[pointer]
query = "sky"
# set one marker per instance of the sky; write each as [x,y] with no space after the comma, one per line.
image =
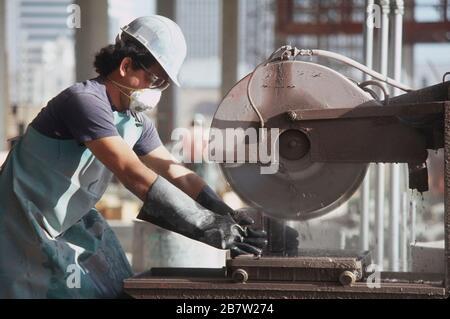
[432,61]
[126,11]
[438,53]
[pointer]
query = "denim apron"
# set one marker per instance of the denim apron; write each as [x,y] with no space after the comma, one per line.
[53,242]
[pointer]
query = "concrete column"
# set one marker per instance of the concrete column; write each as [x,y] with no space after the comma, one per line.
[384,38]
[397,12]
[3,76]
[408,65]
[230,40]
[91,37]
[381,58]
[168,106]
[408,55]
[365,189]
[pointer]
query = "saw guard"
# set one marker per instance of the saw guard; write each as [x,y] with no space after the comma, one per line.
[301,189]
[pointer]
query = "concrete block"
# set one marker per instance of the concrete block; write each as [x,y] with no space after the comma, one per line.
[157,247]
[428,257]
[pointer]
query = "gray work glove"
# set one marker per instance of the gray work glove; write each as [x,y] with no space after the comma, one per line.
[210,200]
[170,208]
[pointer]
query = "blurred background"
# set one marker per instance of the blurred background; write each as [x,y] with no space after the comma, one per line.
[42,51]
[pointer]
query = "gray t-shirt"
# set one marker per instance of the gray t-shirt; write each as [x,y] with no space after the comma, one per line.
[84,112]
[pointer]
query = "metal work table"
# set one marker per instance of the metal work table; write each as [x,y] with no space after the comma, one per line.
[146,286]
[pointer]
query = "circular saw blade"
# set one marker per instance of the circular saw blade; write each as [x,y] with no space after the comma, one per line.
[301,189]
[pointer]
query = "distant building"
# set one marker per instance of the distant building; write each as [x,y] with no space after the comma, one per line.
[55,72]
[201,23]
[36,28]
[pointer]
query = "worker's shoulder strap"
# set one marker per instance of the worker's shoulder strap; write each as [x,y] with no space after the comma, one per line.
[138,118]
[12,142]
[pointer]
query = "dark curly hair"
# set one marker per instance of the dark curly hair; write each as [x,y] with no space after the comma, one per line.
[110,57]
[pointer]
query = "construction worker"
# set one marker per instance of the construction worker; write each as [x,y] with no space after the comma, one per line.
[53,243]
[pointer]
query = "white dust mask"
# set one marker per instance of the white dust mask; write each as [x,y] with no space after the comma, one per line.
[141,99]
[144,100]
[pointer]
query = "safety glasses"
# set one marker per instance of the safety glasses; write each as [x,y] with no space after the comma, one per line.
[156,82]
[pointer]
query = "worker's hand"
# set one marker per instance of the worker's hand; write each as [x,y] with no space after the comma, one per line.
[210,200]
[240,216]
[170,208]
[225,233]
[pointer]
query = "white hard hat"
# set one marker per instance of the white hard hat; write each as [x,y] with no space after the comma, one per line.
[163,38]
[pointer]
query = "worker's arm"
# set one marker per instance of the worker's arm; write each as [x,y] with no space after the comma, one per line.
[116,155]
[163,163]
[167,206]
